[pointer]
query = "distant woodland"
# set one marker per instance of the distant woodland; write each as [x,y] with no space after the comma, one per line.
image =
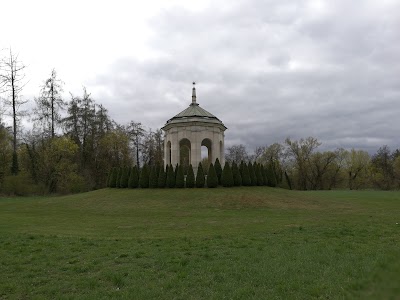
[74,145]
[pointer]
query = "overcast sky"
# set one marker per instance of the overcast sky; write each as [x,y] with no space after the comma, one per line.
[268,69]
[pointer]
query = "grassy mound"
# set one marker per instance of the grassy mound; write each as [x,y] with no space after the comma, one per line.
[248,242]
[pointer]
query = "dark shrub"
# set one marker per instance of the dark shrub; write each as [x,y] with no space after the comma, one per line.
[227,176]
[200,180]
[212,179]
[190,178]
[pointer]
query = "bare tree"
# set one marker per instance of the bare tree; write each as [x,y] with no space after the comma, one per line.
[136,133]
[301,152]
[49,103]
[237,153]
[12,81]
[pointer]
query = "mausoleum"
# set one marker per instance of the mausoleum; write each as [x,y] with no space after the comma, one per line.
[192,128]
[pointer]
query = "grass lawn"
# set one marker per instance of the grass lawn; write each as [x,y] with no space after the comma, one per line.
[239,243]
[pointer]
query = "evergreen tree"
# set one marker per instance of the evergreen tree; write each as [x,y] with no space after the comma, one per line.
[158,169]
[114,176]
[190,177]
[271,175]
[200,180]
[171,177]
[109,178]
[246,175]
[176,172]
[162,178]
[218,170]
[288,180]
[264,176]
[212,179]
[123,182]
[237,178]
[260,180]
[180,179]
[241,168]
[120,171]
[133,182]
[144,177]
[227,176]
[252,173]
[153,180]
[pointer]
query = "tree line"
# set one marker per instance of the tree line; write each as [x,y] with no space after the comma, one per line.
[74,145]
[303,167]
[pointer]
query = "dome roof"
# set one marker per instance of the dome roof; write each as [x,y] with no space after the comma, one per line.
[194,113]
[194,110]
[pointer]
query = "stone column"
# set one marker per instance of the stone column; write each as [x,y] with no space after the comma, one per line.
[174,149]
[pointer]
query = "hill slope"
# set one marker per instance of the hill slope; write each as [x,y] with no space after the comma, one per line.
[203,243]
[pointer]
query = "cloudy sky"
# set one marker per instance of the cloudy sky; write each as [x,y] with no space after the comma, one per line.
[268,69]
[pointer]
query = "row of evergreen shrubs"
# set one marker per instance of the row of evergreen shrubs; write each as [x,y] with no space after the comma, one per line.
[158,177]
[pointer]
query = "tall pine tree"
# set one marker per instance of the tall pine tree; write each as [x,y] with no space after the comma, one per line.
[114,177]
[253,178]
[162,178]
[227,176]
[218,170]
[133,182]
[190,177]
[246,175]
[171,177]
[212,179]
[237,178]
[180,179]
[123,182]
[153,178]
[200,179]
[144,177]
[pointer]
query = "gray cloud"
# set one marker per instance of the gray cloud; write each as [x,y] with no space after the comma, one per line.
[270,70]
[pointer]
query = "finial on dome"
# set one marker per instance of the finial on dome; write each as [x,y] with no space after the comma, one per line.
[194,94]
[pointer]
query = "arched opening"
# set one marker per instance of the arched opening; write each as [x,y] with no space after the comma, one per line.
[185,153]
[206,154]
[168,153]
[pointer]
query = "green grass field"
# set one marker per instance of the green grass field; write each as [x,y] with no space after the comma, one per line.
[239,243]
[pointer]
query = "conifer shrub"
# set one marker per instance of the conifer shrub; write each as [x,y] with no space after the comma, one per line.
[252,173]
[227,176]
[218,170]
[237,178]
[212,179]
[153,178]
[171,177]
[123,182]
[117,183]
[260,180]
[190,177]
[271,176]
[180,179]
[113,179]
[107,183]
[133,182]
[129,170]
[144,177]
[289,182]
[246,181]
[241,168]
[158,169]
[264,176]
[162,177]
[200,179]
[176,172]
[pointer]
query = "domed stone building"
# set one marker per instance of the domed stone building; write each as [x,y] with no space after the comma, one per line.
[188,131]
